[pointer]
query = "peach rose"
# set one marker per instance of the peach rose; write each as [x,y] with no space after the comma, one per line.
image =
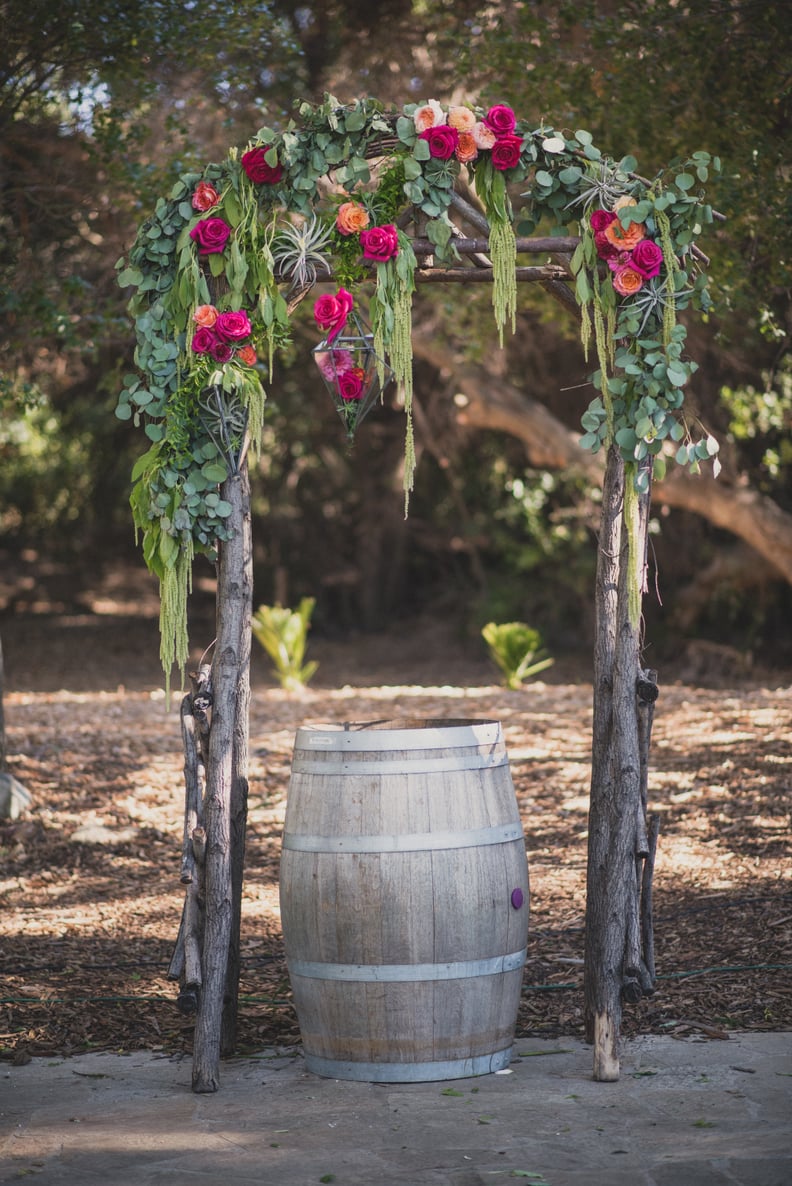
[352,218]
[461,118]
[624,200]
[483,135]
[205,315]
[247,355]
[430,115]
[627,281]
[466,150]
[624,237]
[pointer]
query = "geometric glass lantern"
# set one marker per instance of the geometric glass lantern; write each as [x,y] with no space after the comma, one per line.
[351,372]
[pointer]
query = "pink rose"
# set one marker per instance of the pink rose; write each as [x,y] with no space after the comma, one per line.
[233,327]
[204,197]
[203,340]
[501,119]
[506,152]
[442,141]
[331,312]
[211,235]
[647,258]
[257,169]
[619,260]
[333,363]
[380,243]
[601,219]
[627,281]
[350,384]
[221,351]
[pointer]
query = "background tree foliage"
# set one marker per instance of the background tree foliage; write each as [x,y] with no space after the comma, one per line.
[102,104]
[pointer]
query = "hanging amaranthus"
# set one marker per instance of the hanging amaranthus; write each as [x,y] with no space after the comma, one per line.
[175,587]
[491,188]
[391,317]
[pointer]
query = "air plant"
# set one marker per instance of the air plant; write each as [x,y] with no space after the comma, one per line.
[298,251]
[606,184]
[652,299]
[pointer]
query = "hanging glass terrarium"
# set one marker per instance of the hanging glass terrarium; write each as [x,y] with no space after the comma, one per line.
[352,372]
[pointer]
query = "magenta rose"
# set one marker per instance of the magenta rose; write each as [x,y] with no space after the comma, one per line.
[233,327]
[501,119]
[605,249]
[203,340]
[506,152]
[221,351]
[350,384]
[442,141]
[331,312]
[647,258]
[257,169]
[380,243]
[600,219]
[211,235]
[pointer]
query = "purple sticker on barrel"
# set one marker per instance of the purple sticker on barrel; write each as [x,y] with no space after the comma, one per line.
[517,898]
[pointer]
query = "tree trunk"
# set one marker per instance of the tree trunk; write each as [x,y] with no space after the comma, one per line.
[226,792]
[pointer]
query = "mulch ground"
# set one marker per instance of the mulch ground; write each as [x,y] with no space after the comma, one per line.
[87,925]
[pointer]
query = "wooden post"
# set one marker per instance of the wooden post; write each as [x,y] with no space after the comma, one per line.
[615,967]
[226,790]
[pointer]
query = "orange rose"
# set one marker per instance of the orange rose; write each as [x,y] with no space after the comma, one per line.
[461,118]
[623,237]
[247,355]
[352,218]
[205,315]
[466,149]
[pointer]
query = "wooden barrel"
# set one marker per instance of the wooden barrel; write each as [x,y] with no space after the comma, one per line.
[404,899]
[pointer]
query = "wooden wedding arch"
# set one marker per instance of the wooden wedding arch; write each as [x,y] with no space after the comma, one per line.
[244,242]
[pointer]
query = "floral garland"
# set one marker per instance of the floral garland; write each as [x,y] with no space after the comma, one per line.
[222,260]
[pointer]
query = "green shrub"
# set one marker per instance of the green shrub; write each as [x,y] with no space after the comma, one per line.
[283,633]
[517,650]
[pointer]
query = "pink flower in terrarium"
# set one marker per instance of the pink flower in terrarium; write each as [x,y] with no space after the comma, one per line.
[332,363]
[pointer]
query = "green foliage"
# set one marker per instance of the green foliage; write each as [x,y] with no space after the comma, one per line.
[283,633]
[517,650]
[761,420]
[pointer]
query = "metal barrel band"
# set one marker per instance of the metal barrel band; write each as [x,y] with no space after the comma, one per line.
[409,973]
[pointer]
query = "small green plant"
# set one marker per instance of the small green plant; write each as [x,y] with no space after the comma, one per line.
[517,650]
[283,633]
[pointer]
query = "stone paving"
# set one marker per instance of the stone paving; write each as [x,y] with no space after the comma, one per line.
[684,1113]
